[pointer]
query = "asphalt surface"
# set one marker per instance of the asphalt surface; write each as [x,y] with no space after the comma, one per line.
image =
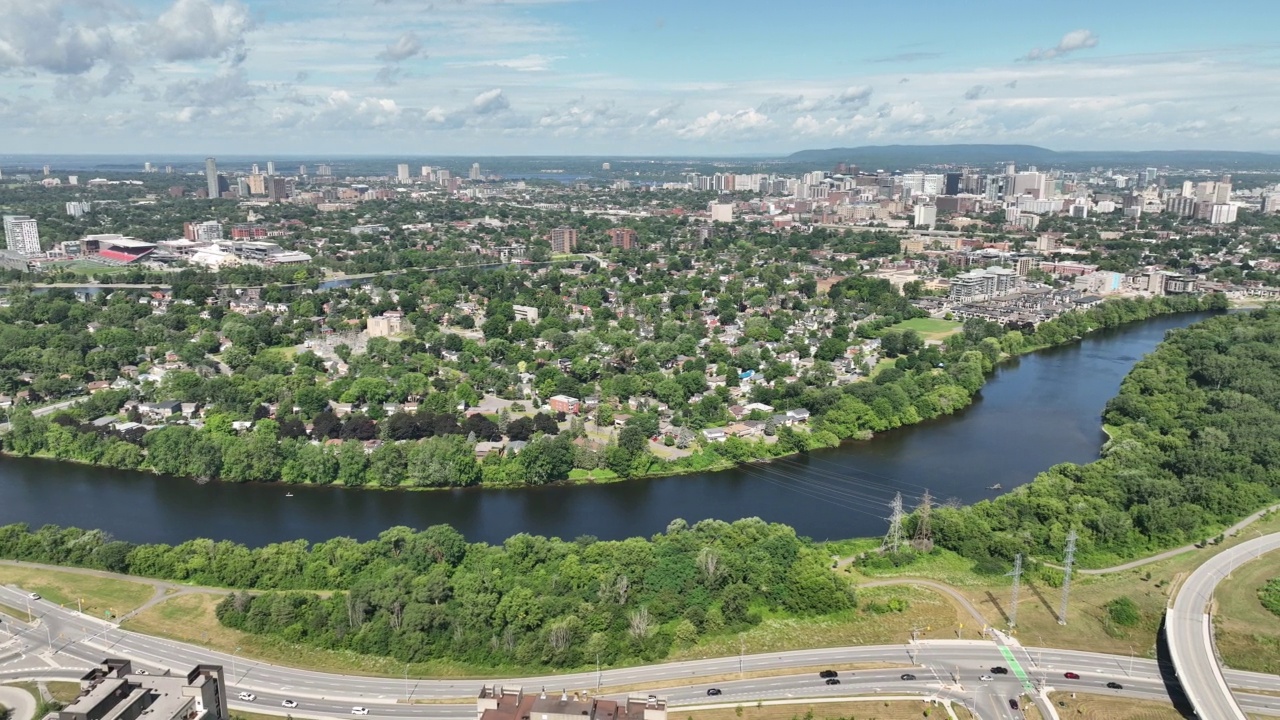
[1189,632]
[944,669]
[20,703]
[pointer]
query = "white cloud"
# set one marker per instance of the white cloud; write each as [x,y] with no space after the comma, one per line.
[201,29]
[1071,42]
[38,35]
[535,62]
[715,124]
[406,46]
[490,101]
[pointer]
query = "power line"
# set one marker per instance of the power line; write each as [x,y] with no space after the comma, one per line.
[1017,582]
[923,540]
[893,538]
[1066,575]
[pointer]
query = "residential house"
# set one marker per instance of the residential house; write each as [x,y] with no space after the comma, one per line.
[565,404]
[159,410]
[714,435]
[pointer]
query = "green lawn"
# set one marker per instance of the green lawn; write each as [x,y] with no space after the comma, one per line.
[929,327]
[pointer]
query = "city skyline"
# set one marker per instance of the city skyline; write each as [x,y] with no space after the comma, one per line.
[547,77]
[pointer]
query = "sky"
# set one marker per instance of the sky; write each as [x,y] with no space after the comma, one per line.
[632,77]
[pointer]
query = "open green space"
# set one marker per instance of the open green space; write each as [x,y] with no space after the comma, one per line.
[1248,634]
[931,328]
[1106,707]
[97,595]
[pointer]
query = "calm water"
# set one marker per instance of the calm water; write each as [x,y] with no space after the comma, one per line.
[1035,412]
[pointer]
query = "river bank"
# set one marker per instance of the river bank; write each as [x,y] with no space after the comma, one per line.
[1033,412]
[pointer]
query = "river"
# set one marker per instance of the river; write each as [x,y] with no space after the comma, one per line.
[1036,411]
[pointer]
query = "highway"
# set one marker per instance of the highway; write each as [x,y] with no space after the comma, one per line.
[943,668]
[1189,632]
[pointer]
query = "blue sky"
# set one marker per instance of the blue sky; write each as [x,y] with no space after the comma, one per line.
[620,77]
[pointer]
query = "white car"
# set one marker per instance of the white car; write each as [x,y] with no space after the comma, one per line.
[139,671]
[359,711]
[289,703]
[985,678]
[34,596]
[247,696]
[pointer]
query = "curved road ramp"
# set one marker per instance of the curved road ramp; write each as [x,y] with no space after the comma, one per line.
[1189,631]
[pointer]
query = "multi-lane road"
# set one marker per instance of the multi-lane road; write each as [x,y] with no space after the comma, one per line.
[1189,632]
[949,669]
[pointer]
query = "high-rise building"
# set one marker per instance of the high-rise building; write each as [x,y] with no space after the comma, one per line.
[46,171]
[207,231]
[324,170]
[271,167]
[21,234]
[475,171]
[278,188]
[211,176]
[564,240]
[302,171]
[624,238]
[721,212]
[951,183]
[168,169]
[426,172]
[925,215]
[146,167]
[258,184]
[77,209]
[1271,203]
[402,172]
[255,169]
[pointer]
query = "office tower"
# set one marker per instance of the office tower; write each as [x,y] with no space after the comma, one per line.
[278,188]
[564,240]
[242,187]
[925,215]
[951,183]
[1271,203]
[146,167]
[402,172]
[73,179]
[46,171]
[302,171]
[76,209]
[21,234]
[168,169]
[211,176]
[475,171]
[324,170]
[426,172]
[271,167]
[255,169]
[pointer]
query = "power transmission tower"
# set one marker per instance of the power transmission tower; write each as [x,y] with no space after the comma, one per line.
[1017,582]
[893,538]
[1066,576]
[923,540]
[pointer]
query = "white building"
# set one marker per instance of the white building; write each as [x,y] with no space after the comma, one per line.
[402,172]
[1221,213]
[77,209]
[721,212]
[21,234]
[926,215]
[214,257]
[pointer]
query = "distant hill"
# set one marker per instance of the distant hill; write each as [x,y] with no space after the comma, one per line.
[898,157]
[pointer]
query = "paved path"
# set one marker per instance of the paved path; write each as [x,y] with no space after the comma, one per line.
[1229,532]
[1189,631]
[20,703]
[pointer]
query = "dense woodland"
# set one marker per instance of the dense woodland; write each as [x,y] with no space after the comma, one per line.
[1195,445]
[530,602]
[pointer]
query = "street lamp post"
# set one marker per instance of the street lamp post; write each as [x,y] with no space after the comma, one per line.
[742,650]
[233,665]
[598,673]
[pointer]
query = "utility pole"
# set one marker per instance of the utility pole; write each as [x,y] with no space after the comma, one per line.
[742,650]
[893,538]
[1017,581]
[1067,562]
[597,673]
[923,540]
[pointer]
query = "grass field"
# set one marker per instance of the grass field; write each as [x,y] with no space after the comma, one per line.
[1088,627]
[929,328]
[64,692]
[63,588]
[1248,635]
[871,709]
[1101,707]
[13,612]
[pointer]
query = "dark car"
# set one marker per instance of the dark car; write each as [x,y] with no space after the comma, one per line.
[999,670]
[1013,703]
[833,681]
[1115,686]
[1071,675]
[908,676]
[713,691]
[828,674]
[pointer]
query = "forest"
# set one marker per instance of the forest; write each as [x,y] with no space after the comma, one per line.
[1194,446]
[532,601]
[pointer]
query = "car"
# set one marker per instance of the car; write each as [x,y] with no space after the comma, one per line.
[908,676]
[247,696]
[653,698]
[34,596]
[833,681]
[713,691]
[828,674]
[139,671]
[1013,703]
[985,678]
[1071,675]
[289,704]
[1115,685]
[999,670]
[357,710]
